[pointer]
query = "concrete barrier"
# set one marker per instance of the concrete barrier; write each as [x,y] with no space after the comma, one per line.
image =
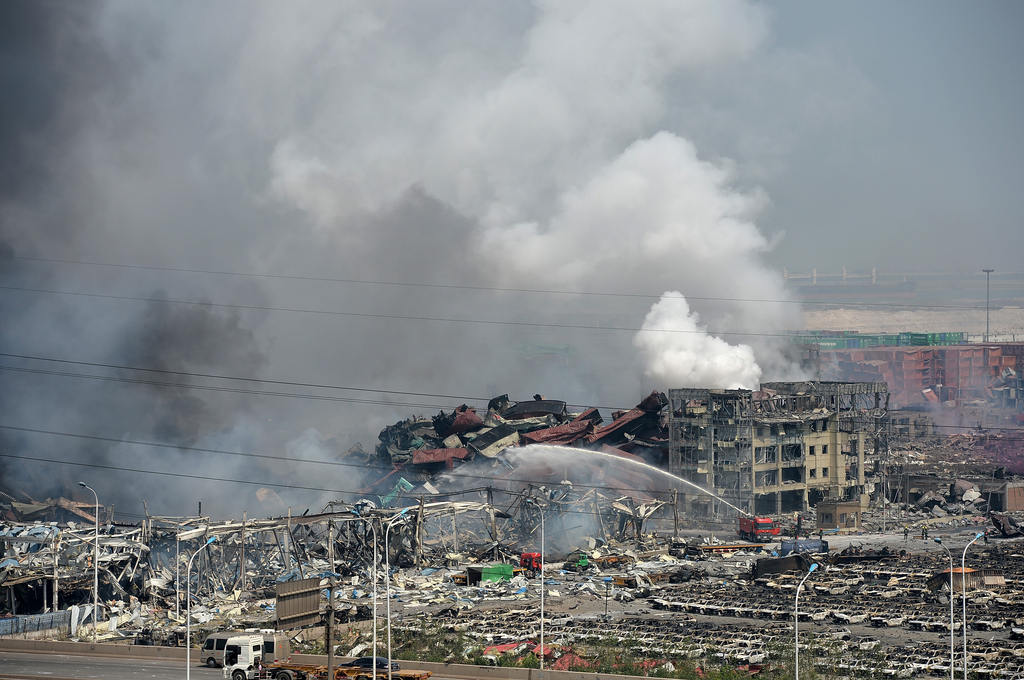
[440,670]
[455,670]
[89,649]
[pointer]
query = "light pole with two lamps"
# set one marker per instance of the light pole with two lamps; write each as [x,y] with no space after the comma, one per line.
[951,644]
[796,622]
[988,274]
[188,609]
[373,528]
[541,509]
[963,580]
[95,565]
[387,585]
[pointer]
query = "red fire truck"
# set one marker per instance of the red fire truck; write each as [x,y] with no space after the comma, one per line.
[757,528]
[530,561]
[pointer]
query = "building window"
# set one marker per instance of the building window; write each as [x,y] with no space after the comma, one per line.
[810,450]
[824,449]
[824,472]
[813,473]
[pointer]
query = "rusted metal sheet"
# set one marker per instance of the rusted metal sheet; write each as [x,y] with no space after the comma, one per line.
[463,419]
[621,424]
[563,434]
[424,456]
[591,414]
[1006,524]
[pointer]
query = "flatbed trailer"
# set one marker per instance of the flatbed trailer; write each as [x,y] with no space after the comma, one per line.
[292,671]
[728,548]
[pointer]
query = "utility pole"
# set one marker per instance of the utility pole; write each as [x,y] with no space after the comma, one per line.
[333,584]
[988,274]
[95,565]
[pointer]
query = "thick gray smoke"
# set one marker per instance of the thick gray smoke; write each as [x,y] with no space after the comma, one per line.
[433,153]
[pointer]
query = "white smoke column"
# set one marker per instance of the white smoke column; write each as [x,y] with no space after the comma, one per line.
[560,158]
[656,212]
[678,351]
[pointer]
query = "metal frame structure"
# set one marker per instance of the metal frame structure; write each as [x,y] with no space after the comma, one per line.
[748,447]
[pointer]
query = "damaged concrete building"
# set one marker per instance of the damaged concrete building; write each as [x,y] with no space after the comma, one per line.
[780,449]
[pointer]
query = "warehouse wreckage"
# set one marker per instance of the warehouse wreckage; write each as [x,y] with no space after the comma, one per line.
[48,546]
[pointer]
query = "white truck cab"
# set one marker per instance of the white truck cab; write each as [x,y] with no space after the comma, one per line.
[242,657]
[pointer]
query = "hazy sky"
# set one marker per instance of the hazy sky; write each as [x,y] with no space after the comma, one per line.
[439,202]
[921,168]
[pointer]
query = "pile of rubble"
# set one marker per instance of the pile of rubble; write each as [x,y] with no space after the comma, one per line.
[424,445]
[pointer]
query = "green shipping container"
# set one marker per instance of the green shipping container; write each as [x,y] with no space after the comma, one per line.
[496,572]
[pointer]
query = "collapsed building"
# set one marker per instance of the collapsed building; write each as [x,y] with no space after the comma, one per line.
[780,449]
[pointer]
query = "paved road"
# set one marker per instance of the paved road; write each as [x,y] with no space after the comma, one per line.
[34,666]
[58,666]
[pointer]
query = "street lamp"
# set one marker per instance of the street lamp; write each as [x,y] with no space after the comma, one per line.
[373,527]
[188,609]
[387,588]
[542,589]
[963,580]
[988,274]
[939,541]
[95,565]
[533,502]
[796,622]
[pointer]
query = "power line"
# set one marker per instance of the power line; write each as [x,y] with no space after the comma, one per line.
[494,289]
[181,475]
[449,397]
[370,467]
[404,317]
[259,456]
[401,317]
[158,473]
[278,485]
[217,388]
[460,398]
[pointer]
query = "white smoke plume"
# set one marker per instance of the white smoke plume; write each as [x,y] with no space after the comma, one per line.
[678,351]
[559,163]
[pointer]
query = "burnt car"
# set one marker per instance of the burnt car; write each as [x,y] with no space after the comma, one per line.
[368,662]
